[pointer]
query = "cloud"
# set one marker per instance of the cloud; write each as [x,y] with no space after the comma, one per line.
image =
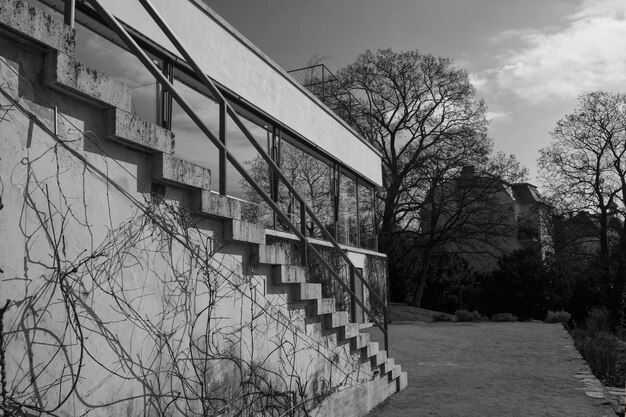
[586,54]
[498,116]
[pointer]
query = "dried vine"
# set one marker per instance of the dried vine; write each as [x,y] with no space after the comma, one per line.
[128,304]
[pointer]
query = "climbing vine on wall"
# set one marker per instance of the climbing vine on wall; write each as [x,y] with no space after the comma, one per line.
[125,302]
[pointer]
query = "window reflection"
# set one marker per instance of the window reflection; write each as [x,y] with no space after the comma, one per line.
[121,65]
[343,204]
[347,221]
[191,143]
[367,232]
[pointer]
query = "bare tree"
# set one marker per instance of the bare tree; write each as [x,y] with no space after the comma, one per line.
[422,114]
[584,168]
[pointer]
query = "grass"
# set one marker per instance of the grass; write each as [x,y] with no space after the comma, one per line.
[402,312]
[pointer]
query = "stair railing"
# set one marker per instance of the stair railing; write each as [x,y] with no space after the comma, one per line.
[220,143]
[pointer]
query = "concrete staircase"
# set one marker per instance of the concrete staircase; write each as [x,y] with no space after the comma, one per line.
[67,76]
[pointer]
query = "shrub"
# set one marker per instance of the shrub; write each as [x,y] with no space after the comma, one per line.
[598,320]
[464,315]
[558,317]
[442,317]
[604,353]
[502,317]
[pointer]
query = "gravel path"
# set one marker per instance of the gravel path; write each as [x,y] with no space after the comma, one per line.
[491,369]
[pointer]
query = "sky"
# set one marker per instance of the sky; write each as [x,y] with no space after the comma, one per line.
[528,59]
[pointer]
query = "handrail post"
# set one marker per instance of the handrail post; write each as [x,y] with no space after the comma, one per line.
[353,294]
[69,12]
[222,152]
[303,231]
[385,324]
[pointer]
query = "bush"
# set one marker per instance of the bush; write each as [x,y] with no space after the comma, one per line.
[503,317]
[598,320]
[604,353]
[464,315]
[558,317]
[442,317]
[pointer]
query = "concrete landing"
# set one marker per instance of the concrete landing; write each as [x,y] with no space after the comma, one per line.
[489,370]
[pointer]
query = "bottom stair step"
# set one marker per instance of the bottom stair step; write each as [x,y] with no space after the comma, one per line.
[403,381]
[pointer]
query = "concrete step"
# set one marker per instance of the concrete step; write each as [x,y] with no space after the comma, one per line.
[240,231]
[64,73]
[402,381]
[275,254]
[361,341]
[288,274]
[128,129]
[371,349]
[326,306]
[395,372]
[306,291]
[321,307]
[379,358]
[169,169]
[388,365]
[336,319]
[215,205]
[37,25]
[350,331]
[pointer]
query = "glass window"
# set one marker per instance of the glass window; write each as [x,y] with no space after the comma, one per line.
[243,150]
[367,232]
[347,221]
[191,143]
[255,165]
[101,54]
[311,178]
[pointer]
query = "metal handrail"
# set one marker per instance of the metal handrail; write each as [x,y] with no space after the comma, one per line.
[343,105]
[225,107]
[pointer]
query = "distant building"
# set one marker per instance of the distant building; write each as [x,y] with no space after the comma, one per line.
[578,234]
[494,218]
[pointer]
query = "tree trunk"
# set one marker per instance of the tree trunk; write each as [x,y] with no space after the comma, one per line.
[604,235]
[385,241]
[421,278]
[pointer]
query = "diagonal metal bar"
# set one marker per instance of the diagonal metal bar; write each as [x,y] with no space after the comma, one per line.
[236,118]
[138,51]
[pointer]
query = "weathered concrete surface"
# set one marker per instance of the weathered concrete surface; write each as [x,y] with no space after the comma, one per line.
[171,169]
[275,254]
[288,274]
[64,72]
[238,231]
[35,24]
[131,130]
[137,273]
[207,202]
[490,369]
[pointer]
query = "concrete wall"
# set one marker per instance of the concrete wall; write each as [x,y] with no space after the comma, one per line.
[121,302]
[231,60]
